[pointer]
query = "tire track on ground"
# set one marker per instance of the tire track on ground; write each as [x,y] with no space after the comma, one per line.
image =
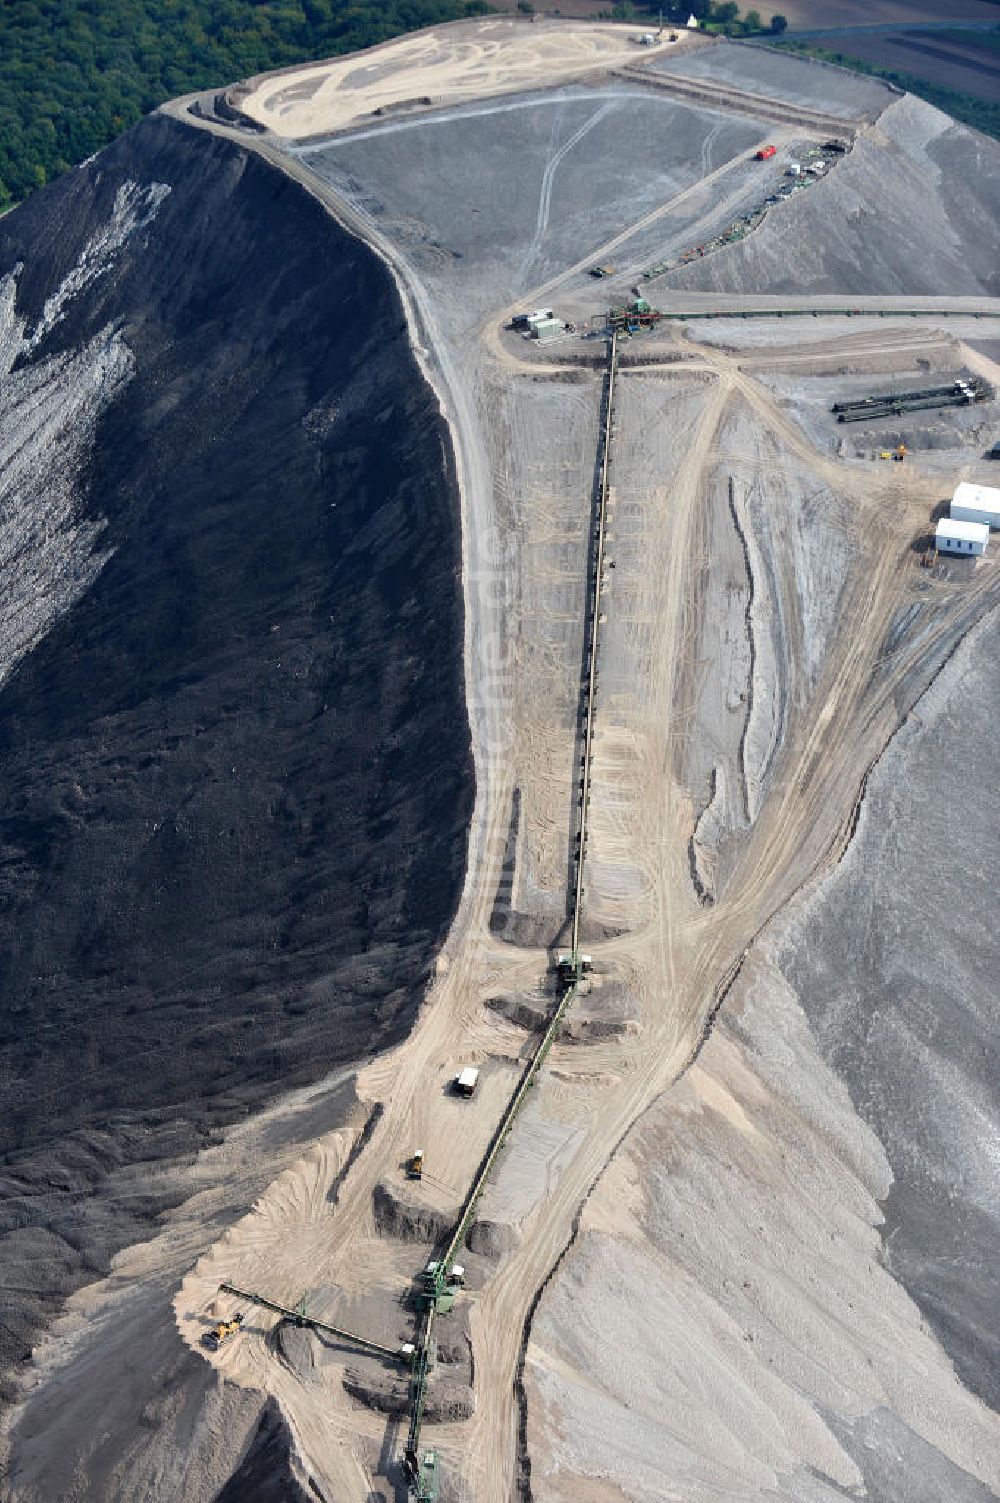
[548,176]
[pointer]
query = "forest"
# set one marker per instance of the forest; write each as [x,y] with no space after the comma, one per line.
[75,73]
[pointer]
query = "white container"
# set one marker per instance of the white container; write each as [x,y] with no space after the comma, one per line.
[966,539]
[466,1081]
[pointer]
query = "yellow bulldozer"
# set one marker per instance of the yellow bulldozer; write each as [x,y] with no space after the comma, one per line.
[220,1333]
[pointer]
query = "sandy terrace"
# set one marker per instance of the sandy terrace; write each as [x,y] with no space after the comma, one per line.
[446,65]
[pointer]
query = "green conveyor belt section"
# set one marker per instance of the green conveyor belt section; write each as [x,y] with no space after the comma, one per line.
[423,1361]
[311,1323]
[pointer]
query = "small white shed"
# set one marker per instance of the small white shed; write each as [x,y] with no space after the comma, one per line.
[976,503]
[547,329]
[968,539]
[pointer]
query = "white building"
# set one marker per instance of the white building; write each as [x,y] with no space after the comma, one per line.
[692,23]
[976,503]
[547,329]
[968,539]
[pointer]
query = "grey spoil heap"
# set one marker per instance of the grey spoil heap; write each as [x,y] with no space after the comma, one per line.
[767,580]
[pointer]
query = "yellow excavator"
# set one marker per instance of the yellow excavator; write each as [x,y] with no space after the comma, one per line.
[220,1333]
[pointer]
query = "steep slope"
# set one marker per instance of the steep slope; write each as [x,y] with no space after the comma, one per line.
[808,1218]
[234,765]
[907,1018]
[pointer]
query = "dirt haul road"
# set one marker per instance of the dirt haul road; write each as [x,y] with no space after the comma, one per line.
[672,954]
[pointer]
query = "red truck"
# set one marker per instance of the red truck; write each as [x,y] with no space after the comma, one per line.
[764,153]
